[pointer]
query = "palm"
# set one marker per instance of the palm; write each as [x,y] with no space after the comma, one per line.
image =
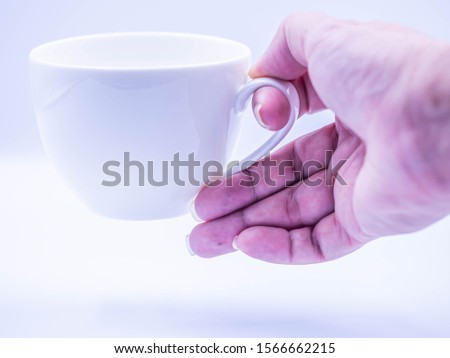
[299,223]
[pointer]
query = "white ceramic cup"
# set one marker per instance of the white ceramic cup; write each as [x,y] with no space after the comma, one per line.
[154,96]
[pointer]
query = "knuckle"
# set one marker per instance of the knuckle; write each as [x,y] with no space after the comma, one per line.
[327,37]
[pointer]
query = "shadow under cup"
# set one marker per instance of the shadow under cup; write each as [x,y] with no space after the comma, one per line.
[134,122]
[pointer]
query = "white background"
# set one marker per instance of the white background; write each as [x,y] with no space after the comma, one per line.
[66,272]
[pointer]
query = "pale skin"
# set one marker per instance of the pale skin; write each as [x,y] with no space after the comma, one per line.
[389,87]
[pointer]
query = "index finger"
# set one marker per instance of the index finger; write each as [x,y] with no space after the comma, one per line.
[282,61]
[288,54]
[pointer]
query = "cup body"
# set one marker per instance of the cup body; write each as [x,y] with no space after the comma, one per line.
[119,114]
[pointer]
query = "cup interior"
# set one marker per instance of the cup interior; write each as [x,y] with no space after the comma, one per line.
[134,50]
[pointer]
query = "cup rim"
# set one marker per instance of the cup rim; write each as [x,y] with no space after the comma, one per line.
[36,56]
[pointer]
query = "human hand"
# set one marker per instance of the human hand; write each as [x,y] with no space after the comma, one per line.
[389,88]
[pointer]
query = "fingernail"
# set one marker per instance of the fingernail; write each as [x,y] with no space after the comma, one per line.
[257,112]
[188,246]
[252,71]
[234,244]
[194,212]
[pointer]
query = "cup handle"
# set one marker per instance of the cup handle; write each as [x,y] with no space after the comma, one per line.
[242,99]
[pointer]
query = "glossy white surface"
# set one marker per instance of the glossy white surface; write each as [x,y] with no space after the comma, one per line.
[154,96]
[94,106]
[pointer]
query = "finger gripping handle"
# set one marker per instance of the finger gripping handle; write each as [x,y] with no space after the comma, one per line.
[242,99]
